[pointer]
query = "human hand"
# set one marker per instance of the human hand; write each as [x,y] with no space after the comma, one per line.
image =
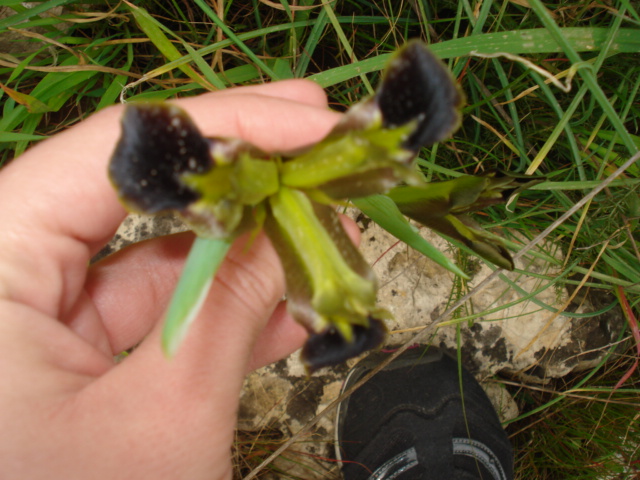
[66,410]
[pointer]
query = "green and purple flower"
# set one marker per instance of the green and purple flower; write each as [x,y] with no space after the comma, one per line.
[223,187]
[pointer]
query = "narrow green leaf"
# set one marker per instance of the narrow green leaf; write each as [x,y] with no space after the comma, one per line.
[28,127]
[328,8]
[112,92]
[578,185]
[31,12]
[151,28]
[385,213]
[588,76]
[282,68]
[312,42]
[241,74]
[203,261]
[621,265]
[517,42]
[236,39]
[228,42]
[19,137]
[608,135]
[205,68]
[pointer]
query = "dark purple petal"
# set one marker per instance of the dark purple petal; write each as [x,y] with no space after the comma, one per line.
[418,87]
[159,144]
[329,348]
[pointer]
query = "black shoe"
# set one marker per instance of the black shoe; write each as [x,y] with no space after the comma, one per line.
[408,423]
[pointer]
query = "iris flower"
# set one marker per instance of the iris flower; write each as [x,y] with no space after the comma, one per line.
[223,187]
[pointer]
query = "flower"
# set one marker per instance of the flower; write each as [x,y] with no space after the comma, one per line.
[223,187]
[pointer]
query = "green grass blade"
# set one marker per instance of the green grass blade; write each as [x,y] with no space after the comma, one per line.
[115,86]
[226,43]
[234,38]
[587,74]
[623,266]
[205,68]
[517,135]
[29,13]
[19,137]
[328,8]
[557,131]
[479,23]
[153,30]
[203,261]
[516,42]
[312,42]
[112,92]
[580,185]
[555,105]
[384,212]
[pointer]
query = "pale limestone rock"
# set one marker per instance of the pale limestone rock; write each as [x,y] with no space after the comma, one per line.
[136,228]
[521,339]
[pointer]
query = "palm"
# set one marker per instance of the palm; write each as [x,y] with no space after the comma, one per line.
[70,410]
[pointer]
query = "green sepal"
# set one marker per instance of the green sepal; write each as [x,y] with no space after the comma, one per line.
[355,164]
[442,206]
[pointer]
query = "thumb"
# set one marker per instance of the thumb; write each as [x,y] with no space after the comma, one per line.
[185,407]
[245,292]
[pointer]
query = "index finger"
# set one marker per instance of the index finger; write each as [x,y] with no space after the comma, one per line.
[63,208]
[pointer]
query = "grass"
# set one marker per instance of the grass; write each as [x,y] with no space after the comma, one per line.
[518,118]
[581,427]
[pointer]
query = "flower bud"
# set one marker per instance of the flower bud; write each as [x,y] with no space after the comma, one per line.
[442,206]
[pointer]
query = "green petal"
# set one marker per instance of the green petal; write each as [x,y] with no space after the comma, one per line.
[373,147]
[229,192]
[367,160]
[331,290]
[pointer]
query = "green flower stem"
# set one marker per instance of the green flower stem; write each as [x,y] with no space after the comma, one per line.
[203,261]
